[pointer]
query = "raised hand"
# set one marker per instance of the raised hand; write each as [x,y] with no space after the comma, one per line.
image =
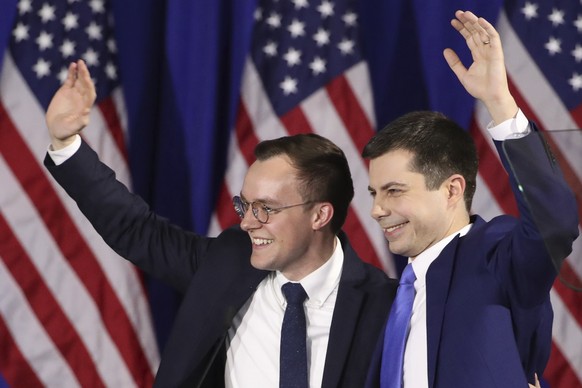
[486,78]
[68,111]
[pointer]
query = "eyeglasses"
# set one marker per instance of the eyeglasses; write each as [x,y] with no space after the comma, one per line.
[259,209]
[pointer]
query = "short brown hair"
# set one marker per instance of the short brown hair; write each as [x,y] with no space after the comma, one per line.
[322,170]
[440,147]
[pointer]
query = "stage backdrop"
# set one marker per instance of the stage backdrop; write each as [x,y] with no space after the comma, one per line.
[185,91]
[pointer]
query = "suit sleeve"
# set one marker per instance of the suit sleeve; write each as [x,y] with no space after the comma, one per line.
[548,221]
[126,222]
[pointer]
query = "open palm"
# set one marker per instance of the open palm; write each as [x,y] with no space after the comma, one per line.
[69,109]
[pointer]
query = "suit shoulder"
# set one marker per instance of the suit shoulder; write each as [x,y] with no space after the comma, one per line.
[377,278]
[232,242]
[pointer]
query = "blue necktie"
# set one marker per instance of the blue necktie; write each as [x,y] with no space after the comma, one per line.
[397,331]
[293,368]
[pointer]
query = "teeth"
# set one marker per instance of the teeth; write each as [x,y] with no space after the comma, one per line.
[261,241]
[393,228]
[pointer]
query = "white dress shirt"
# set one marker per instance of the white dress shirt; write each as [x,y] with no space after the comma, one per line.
[60,156]
[415,366]
[253,341]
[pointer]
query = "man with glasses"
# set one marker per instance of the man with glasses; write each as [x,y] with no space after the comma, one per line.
[239,310]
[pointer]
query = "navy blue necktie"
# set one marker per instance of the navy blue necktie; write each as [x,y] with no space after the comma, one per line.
[293,368]
[397,331]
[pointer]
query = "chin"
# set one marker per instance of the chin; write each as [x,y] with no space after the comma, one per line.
[399,251]
[261,264]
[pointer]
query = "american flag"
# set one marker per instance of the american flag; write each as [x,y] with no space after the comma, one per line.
[72,313]
[305,74]
[328,92]
[543,51]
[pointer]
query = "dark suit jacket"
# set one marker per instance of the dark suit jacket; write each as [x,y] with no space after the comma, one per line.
[216,278]
[488,309]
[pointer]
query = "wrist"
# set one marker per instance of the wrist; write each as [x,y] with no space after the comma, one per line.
[58,144]
[502,109]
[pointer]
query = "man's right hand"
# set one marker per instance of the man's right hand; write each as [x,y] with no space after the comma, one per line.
[68,111]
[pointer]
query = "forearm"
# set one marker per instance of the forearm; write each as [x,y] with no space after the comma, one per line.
[125,221]
[548,213]
[501,108]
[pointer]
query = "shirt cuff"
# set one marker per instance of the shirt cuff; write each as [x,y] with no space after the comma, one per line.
[513,128]
[60,156]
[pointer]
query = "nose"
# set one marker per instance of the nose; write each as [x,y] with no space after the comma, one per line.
[249,222]
[379,209]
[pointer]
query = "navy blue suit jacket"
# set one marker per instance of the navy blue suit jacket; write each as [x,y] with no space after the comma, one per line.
[217,278]
[489,316]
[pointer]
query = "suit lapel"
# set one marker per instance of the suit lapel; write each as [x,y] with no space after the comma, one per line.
[438,284]
[438,280]
[348,303]
[242,287]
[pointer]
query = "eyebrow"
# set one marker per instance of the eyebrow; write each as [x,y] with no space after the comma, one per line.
[386,186]
[264,201]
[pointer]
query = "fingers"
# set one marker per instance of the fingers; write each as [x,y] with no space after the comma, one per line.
[490,31]
[83,75]
[78,75]
[454,63]
[538,385]
[71,75]
[83,71]
[84,81]
[478,32]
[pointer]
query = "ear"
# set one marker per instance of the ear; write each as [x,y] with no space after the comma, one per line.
[455,186]
[322,215]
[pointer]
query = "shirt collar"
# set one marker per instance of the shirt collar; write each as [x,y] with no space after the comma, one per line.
[423,261]
[319,284]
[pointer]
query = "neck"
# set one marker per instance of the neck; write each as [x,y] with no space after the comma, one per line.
[316,255]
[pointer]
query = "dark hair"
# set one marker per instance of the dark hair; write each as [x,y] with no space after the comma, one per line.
[440,147]
[322,170]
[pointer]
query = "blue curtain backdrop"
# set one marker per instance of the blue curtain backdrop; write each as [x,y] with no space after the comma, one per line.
[181,64]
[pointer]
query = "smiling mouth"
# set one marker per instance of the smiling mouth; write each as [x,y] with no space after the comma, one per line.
[391,229]
[261,241]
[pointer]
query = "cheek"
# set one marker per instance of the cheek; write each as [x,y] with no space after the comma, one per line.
[296,239]
[429,216]
[420,216]
[404,207]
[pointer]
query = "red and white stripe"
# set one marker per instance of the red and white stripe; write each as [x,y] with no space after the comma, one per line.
[540,103]
[341,111]
[72,312]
